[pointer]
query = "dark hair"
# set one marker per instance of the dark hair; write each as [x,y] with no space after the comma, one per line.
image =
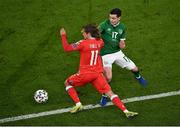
[116,11]
[92,29]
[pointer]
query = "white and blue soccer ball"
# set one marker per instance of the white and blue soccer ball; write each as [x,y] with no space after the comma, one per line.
[41,96]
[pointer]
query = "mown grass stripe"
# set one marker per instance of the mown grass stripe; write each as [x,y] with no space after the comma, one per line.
[86,107]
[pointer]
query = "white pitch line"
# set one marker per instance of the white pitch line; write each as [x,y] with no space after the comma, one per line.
[91,106]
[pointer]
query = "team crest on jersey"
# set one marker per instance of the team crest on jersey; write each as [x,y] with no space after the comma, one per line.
[120,31]
[109,29]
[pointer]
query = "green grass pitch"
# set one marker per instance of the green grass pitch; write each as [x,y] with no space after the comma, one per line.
[32,58]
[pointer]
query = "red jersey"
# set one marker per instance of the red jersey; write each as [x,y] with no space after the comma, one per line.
[90,59]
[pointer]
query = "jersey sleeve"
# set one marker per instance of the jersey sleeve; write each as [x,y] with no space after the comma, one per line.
[77,45]
[101,27]
[70,47]
[123,36]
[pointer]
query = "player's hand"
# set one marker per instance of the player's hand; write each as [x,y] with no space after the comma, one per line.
[62,31]
[122,44]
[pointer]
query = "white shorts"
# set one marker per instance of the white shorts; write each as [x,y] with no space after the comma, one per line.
[118,58]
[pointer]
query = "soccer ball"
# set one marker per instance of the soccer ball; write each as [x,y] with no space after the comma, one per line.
[41,96]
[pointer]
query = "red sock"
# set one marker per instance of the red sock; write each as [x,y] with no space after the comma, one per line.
[116,101]
[73,94]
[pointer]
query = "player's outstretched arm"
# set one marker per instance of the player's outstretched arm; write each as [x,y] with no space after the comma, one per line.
[67,47]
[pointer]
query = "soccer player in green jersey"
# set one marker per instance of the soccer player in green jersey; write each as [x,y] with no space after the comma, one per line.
[113,33]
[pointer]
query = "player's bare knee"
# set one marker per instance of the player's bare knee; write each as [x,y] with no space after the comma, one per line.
[108,79]
[134,69]
[108,73]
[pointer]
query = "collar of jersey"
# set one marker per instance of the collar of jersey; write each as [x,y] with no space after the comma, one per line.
[116,24]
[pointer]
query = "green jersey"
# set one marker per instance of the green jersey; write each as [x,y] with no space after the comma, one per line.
[111,36]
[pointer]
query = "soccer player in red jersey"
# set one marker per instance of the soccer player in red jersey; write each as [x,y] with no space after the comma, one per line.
[90,69]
